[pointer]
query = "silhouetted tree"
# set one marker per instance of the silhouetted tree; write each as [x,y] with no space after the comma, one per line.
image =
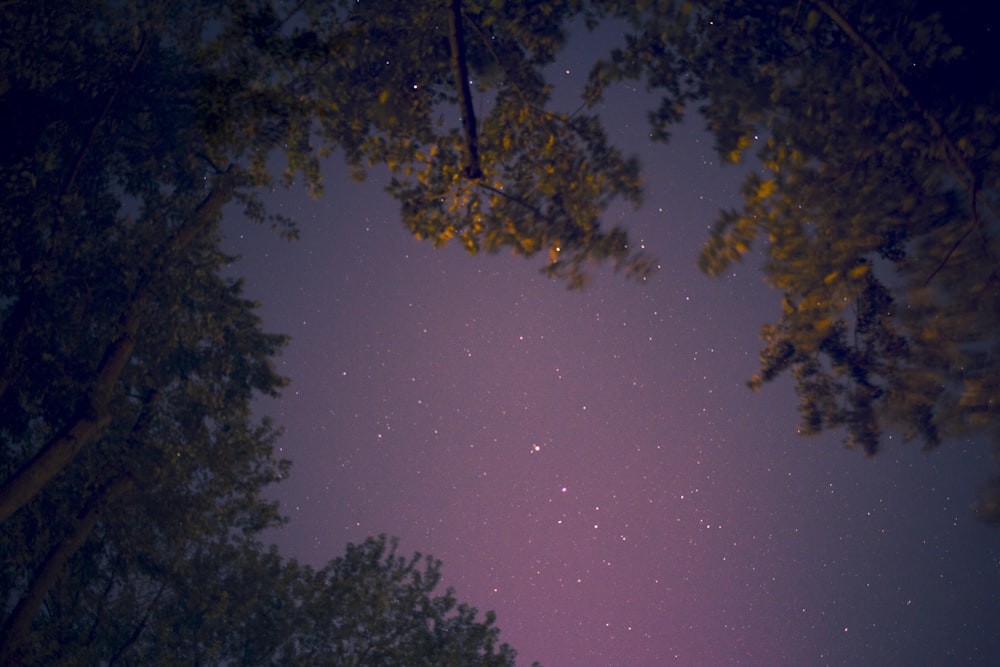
[225,602]
[875,205]
[131,466]
[130,462]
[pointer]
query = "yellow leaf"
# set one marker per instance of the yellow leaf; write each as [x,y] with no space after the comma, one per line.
[858,271]
[766,189]
[736,154]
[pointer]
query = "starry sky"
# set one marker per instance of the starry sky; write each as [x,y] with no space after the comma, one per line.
[591,465]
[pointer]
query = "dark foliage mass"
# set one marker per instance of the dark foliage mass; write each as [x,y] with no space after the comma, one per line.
[875,209]
[132,467]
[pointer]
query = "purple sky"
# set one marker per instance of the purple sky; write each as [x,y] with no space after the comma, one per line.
[591,465]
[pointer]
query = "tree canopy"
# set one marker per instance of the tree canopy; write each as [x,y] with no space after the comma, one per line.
[875,207]
[132,466]
[225,603]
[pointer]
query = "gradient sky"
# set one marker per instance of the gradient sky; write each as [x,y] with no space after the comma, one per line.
[591,465]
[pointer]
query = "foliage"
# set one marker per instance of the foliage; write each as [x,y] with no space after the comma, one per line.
[128,365]
[875,207]
[519,176]
[131,465]
[374,607]
[238,604]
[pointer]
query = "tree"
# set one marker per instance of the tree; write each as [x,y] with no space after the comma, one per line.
[110,223]
[237,603]
[875,206]
[131,467]
[374,607]
[520,176]
[121,155]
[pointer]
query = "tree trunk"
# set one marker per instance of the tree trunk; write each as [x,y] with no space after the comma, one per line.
[16,627]
[94,415]
[92,418]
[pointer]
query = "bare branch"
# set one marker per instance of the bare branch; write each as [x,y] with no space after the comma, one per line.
[460,71]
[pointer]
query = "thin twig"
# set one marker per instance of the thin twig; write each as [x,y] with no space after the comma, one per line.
[517,200]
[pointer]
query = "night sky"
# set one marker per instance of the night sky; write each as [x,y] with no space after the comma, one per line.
[591,465]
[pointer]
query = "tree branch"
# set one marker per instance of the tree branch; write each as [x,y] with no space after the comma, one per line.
[139,628]
[16,626]
[957,164]
[460,71]
[94,414]
[517,200]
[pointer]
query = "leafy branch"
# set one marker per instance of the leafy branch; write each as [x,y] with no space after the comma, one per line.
[959,166]
[94,413]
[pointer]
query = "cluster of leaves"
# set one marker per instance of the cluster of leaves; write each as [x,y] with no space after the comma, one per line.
[519,176]
[131,465]
[876,203]
[389,84]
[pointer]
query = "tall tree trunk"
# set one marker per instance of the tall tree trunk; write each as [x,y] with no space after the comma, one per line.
[94,415]
[91,419]
[16,626]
